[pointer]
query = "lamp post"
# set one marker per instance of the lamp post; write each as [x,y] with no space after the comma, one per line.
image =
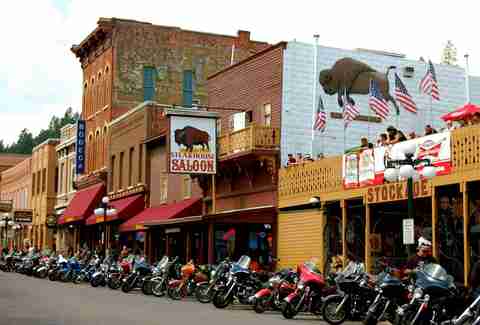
[6,222]
[104,211]
[404,167]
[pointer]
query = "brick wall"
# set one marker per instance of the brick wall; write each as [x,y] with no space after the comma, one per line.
[16,184]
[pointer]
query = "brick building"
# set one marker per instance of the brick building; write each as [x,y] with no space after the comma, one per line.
[15,186]
[44,193]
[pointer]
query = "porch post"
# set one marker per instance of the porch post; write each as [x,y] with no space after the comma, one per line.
[211,247]
[434,223]
[343,205]
[188,240]
[367,236]
[466,233]
[167,245]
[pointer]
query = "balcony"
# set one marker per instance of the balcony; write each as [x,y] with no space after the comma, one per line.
[298,183]
[252,139]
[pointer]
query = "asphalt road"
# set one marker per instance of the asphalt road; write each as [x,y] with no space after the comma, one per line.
[31,301]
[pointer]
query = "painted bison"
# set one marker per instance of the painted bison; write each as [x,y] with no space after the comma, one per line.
[190,136]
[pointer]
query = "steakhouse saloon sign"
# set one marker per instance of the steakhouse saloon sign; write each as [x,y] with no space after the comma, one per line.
[397,191]
[192,145]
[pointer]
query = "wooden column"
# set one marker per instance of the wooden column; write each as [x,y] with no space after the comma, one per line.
[214,194]
[367,236]
[343,205]
[466,233]
[323,253]
[211,244]
[434,223]
[167,245]
[188,241]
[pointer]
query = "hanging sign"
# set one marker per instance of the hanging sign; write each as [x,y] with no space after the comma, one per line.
[350,170]
[23,216]
[172,230]
[80,147]
[51,221]
[397,191]
[408,232]
[6,206]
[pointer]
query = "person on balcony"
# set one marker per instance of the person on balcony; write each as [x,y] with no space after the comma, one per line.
[429,130]
[394,135]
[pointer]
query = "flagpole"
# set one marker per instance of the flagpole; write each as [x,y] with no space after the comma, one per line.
[314,92]
[467,79]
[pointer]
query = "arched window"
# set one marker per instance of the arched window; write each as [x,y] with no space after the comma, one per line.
[90,146]
[100,91]
[93,96]
[97,150]
[84,98]
[104,145]
[107,85]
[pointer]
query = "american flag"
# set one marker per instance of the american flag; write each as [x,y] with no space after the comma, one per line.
[429,84]
[403,97]
[350,111]
[321,117]
[376,101]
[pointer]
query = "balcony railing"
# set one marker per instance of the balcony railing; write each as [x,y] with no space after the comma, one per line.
[249,139]
[325,175]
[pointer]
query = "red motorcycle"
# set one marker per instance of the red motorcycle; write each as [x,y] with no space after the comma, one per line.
[308,293]
[276,290]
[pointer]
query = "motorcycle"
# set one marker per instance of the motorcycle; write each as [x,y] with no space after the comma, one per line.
[278,287]
[205,290]
[86,273]
[435,298]
[116,273]
[160,282]
[310,289]
[70,272]
[41,271]
[157,271]
[186,285]
[135,279]
[241,284]
[99,277]
[354,296]
[59,266]
[471,315]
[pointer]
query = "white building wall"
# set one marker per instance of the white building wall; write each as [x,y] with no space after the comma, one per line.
[298,96]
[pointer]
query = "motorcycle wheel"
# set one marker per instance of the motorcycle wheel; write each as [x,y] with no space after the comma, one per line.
[42,274]
[127,286]
[96,281]
[288,310]
[159,289]
[114,283]
[147,287]
[52,277]
[202,295]
[78,279]
[261,304]
[220,301]
[329,311]
[175,293]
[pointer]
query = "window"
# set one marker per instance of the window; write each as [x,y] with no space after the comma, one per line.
[84,97]
[104,145]
[60,178]
[187,88]
[107,86]
[97,154]
[120,172]
[39,180]
[112,173]
[100,90]
[219,127]
[130,166]
[93,99]
[56,180]
[187,187]
[140,162]
[267,114]
[72,177]
[33,184]
[44,180]
[248,117]
[148,83]
[231,122]
[163,188]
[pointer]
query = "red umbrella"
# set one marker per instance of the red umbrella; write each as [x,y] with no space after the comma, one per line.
[461,113]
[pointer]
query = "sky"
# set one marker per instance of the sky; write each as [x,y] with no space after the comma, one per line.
[40,77]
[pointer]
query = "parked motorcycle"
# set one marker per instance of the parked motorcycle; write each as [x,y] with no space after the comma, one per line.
[59,266]
[157,272]
[241,284]
[160,282]
[41,271]
[353,298]
[135,279]
[310,289]
[186,285]
[99,277]
[205,290]
[277,288]
[86,273]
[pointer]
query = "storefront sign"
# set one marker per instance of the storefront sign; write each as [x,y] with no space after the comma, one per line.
[6,206]
[51,221]
[23,216]
[172,230]
[192,145]
[80,147]
[366,168]
[397,191]
[99,219]
[408,232]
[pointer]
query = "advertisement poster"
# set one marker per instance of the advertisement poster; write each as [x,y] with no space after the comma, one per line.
[366,168]
[192,145]
[350,170]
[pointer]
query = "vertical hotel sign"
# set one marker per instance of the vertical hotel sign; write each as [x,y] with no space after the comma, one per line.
[80,148]
[193,145]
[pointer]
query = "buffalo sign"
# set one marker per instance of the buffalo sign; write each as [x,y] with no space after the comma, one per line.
[192,145]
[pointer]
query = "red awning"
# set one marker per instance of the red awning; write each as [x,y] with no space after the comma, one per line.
[126,208]
[462,113]
[82,204]
[163,212]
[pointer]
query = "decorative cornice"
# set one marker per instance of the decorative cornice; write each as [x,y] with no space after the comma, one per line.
[131,190]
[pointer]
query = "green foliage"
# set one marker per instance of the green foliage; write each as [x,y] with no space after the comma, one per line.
[26,141]
[449,55]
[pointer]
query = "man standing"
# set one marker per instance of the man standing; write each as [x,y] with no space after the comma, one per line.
[423,256]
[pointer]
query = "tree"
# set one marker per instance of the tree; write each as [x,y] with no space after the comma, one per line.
[449,55]
[24,143]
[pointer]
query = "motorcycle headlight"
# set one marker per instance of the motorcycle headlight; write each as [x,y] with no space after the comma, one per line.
[301,285]
[212,274]
[418,293]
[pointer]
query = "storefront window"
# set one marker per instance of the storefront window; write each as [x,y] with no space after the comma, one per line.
[333,240]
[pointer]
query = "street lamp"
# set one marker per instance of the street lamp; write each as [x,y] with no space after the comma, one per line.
[403,166]
[6,222]
[104,211]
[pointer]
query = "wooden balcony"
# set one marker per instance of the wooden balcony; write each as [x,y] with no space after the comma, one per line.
[298,183]
[261,139]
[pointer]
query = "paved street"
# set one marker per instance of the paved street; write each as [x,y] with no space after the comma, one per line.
[32,301]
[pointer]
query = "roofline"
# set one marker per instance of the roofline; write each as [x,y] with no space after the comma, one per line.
[282,44]
[51,141]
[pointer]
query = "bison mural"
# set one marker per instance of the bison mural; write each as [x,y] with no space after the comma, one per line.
[190,136]
[354,77]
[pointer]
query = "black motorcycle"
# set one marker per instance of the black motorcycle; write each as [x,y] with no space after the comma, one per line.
[435,298]
[135,279]
[241,284]
[99,277]
[353,298]
[219,275]
[159,282]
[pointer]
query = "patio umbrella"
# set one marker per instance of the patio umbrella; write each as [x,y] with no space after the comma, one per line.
[461,113]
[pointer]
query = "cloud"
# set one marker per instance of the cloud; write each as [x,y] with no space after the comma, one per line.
[40,77]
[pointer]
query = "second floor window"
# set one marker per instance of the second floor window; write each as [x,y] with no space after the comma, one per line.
[44,180]
[187,88]
[267,114]
[149,83]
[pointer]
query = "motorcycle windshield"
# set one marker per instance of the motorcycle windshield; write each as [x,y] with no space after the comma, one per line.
[163,262]
[244,262]
[436,271]
[312,267]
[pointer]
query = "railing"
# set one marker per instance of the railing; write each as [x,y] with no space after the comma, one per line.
[251,138]
[310,178]
[465,149]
